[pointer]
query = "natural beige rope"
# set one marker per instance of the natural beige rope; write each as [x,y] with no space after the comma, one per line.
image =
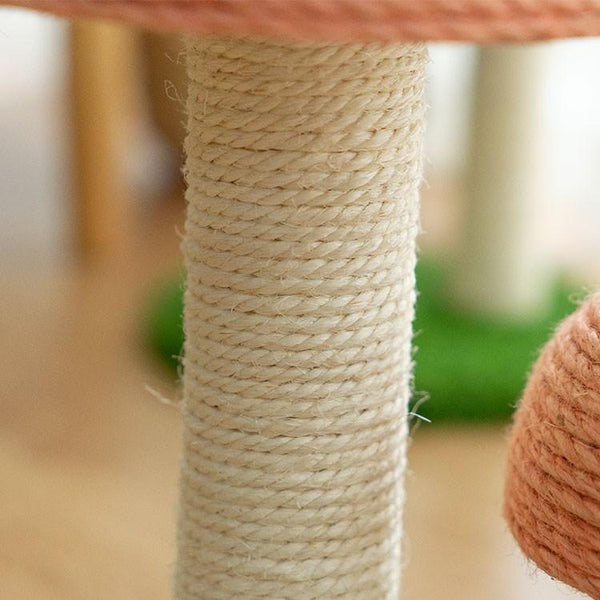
[303,165]
[553,485]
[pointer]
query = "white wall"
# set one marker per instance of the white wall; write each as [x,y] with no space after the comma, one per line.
[569,218]
[34,180]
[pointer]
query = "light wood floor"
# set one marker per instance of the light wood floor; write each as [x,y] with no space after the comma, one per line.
[89,458]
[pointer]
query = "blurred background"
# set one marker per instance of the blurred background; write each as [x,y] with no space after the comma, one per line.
[91,210]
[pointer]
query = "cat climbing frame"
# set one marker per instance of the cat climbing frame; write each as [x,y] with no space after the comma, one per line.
[304,159]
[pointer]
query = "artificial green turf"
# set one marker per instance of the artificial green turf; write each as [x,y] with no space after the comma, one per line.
[164,322]
[467,368]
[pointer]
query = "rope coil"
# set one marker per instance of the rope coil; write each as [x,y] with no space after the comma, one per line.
[303,165]
[345,20]
[552,501]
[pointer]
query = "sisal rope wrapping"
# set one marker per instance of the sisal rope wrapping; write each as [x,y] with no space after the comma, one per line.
[345,20]
[303,165]
[552,501]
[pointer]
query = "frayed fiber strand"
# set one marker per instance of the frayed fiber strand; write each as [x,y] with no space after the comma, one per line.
[303,166]
[553,487]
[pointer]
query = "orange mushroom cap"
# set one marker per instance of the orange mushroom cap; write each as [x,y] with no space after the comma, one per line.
[348,20]
[552,501]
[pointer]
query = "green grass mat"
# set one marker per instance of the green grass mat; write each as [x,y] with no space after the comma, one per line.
[469,368]
[164,322]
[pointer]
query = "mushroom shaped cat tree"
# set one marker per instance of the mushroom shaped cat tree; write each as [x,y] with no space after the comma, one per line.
[304,159]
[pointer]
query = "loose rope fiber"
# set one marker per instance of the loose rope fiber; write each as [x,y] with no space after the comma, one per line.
[553,487]
[303,165]
[345,20]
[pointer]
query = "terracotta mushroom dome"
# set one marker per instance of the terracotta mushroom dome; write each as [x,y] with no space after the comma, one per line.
[467,20]
[553,488]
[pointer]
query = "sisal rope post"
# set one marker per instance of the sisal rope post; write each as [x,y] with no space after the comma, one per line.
[303,168]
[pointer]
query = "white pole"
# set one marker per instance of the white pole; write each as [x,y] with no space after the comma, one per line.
[501,271]
[303,167]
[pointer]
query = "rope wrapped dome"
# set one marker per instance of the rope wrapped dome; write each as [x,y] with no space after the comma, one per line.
[553,487]
[346,20]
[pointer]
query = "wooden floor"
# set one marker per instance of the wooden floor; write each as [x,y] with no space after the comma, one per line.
[89,457]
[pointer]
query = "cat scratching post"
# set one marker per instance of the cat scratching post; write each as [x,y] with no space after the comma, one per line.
[303,166]
[552,492]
